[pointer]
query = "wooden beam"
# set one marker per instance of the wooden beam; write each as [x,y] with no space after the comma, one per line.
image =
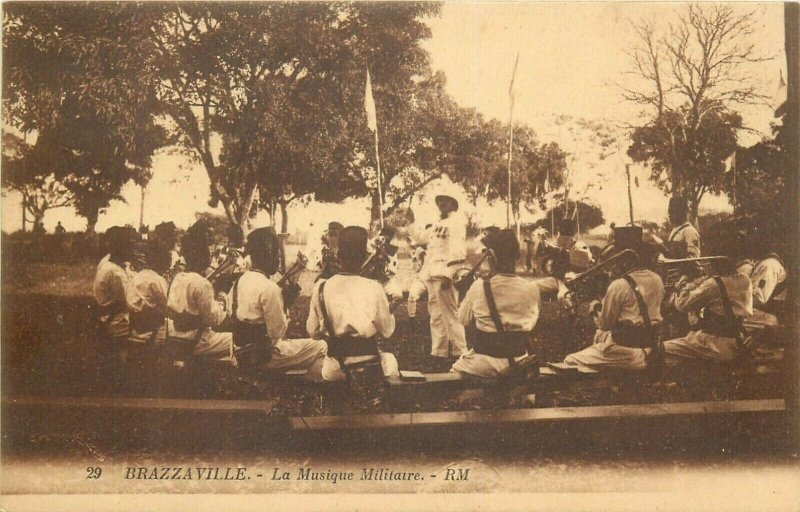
[141,404]
[536,416]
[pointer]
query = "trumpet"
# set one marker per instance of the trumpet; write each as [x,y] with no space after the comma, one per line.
[298,266]
[592,284]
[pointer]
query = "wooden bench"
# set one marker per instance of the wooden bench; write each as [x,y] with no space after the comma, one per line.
[533,416]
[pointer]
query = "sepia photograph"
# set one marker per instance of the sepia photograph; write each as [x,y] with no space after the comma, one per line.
[396,255]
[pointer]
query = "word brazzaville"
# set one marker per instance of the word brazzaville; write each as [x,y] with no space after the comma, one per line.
[185,473]
[373,474]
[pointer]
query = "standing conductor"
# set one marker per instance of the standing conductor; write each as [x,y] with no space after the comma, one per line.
[447,251]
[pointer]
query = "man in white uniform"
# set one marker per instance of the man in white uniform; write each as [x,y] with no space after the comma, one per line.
[350,312]
[193,310]
[447,250]
[684,240]
[720,303]
[147,294]
[629,316]
[111,282]
[257,308]
[768,278]
[505,299]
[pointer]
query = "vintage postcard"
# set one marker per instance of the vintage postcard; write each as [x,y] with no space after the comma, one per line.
[400,255]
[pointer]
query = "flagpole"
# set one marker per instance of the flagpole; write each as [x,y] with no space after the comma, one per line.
[380,187]
[511,141]
[372,124]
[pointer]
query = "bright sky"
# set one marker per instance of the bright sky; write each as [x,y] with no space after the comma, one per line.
[571,55]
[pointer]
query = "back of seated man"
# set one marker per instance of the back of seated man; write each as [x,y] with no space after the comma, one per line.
[499,312]
[350,312]
[257,307]
[719,303]
[111,281]
[629,316]
[192,309]
[147,294]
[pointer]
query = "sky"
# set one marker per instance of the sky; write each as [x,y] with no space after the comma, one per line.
[571,60]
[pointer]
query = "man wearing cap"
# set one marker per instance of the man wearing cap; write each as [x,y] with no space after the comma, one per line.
[500,311]
[351,312]
[111,281]
[447,250]
[257,308]
[719,303]
[628,318]
[192,309]
[684,240]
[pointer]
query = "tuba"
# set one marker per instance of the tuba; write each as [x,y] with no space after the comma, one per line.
[592,284]
[672,271]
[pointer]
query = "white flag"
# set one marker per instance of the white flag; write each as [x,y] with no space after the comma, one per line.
[369,106]
[730,162]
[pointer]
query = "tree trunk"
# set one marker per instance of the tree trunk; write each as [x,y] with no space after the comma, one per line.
[91,220]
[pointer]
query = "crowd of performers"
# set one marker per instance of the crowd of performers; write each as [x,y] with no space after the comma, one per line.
[231,306]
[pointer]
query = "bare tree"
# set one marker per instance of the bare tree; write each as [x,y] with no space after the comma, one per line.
[693,75]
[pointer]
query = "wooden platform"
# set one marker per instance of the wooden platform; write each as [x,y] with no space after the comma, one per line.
[535,416]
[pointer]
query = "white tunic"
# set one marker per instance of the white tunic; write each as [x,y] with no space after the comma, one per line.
[766,275]
[706,294]
[517,301]
[446,241]
[620,304]
[688,234]
[260,301]
[357,307]
[148,290]
[110,289]
[192,294]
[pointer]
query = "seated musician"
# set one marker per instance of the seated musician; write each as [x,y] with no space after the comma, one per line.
[329,260]
[257,308]
[629,315]
[684,240]
[499,313]
[719,304]
[768,278]
[571,256]
[350,312]
[111,281]
[382,263]
[147,293]
[192,309]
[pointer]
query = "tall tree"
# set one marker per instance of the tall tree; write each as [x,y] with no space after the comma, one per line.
[40,191]
[78,80]
[484,171]
[692,79]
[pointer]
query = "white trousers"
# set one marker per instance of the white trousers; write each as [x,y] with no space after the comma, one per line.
[332,370]
[482,365]
[447,333]
[604,353]
[701,345]
[296,354]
